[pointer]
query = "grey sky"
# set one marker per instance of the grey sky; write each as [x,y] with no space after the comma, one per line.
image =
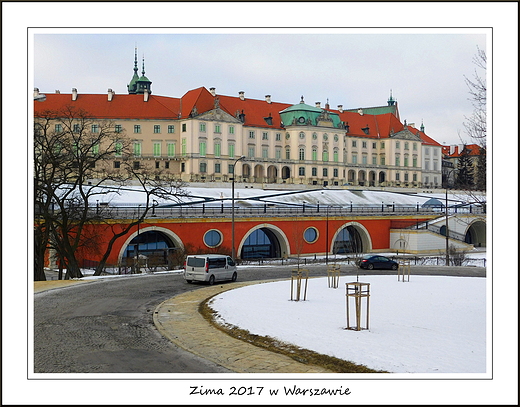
[423,69]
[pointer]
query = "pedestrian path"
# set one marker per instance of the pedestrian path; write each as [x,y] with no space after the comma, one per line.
[179,320]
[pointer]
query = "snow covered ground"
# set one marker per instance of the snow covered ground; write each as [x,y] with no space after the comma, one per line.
[429,324]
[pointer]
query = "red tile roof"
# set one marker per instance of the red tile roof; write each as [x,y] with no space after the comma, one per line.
[126,106]
[474,150]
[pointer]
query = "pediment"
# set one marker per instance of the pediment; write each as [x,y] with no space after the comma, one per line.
[216,115]
[406,134]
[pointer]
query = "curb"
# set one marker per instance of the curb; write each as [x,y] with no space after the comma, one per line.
[179,320]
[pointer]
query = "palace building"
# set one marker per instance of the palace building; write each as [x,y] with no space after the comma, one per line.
[204,136]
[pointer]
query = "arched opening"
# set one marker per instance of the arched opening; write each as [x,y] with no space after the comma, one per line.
[153,246]
[351,176]
[264,242]
[476,234]
[372,178]
[246,171]
[272,174]
[352,238]
[259,173]
[286,173]
[382,177]
[362,178]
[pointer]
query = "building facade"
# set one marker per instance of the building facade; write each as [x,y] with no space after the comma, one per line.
[205,137]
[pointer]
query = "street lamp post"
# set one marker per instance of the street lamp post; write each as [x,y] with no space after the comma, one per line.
[233,251]
[447,227]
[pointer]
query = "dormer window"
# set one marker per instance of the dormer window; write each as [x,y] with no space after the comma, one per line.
[366,130]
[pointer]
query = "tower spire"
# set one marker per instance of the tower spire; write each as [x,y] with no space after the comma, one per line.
[132,86]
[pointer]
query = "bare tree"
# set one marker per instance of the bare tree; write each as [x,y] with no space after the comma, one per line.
[73,165]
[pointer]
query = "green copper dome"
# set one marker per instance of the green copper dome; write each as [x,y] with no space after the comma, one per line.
[302,114]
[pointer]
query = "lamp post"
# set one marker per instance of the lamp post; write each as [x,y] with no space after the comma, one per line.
[138,268]
[447,228]
[327,236]
[233,251]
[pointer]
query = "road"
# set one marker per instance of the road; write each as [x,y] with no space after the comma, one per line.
[106,326]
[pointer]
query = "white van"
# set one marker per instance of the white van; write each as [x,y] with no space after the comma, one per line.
[209,268]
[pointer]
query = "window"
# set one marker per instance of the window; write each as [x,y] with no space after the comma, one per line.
[406,161]
[119,149]
[167,164]
[171,149]
[183,147]
[383,161]
[325,172]
[217,128]
[397,176]
[397,161]
[314,136]
[117,164]
[397,144]
[265,152]
[156,128]
[336,138]
[382,144]
[203,167]
[202,148]
[335,172]
[171,128]
[118,128]
[231,148]
[137,128]
[314,154]
[95,149]
[302,153]
[251,152]
[325,156]
[217,149]
[354,158]
[414,162]
[251,134]
[314,171]
[414,146]
[213,238]
[58,128]
[278,136]
[157,164]
[264,135]
[95,128]
[76,128]
[278,153]
[287,153]
[354,143]
[406,145]
[374,160]
[301,171]
[202,127]
[325,137]
[310,235]
[374,145]
[231,129]
[414,177]
[406,177]
[137,148]
[136,165]
[157,149]
[364,144]
[336,155]
[183,127]
[302,135]
[230,169]
[364,159]
[217,168]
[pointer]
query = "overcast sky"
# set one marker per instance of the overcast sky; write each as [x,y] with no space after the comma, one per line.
[424,71]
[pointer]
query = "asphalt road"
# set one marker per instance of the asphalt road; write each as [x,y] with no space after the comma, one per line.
[106,326]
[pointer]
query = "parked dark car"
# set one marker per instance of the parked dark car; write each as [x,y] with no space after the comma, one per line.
[372,262]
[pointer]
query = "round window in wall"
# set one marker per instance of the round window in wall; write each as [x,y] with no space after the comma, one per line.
[310,235]
[212,238]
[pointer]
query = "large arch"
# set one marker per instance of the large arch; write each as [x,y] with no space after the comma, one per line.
[476,233]
[286,173]
[259,173]
[277,240]
[359,240]
[272,174]
[170,237]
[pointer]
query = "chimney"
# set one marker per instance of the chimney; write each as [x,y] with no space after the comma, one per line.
[360,111]
[212,91]
[327,106]
[111,94]
[74,93]
[57,91]
[241,95]
[340,108]
[146,95]
[411,125]
[268,98]
[36,93]
[318,104]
